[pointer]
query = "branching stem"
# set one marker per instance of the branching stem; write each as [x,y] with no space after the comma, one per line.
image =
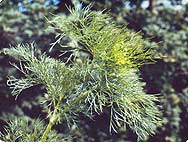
[53,119]
[55,115]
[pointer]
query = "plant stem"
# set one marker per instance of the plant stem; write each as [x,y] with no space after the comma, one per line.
[53,119]
[55,116]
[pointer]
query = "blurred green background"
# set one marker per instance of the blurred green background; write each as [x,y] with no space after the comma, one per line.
[163,22]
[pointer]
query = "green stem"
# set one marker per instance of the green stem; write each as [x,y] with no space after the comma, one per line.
[55,116]
[53,119]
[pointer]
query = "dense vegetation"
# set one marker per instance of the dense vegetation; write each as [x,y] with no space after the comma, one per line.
[164,25]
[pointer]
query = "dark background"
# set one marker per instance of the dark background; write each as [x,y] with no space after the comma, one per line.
[163,22]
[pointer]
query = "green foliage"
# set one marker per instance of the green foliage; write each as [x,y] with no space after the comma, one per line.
[166,26]
[15,27]
[21,130]
[103,39]
[170,29]
[109,79]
